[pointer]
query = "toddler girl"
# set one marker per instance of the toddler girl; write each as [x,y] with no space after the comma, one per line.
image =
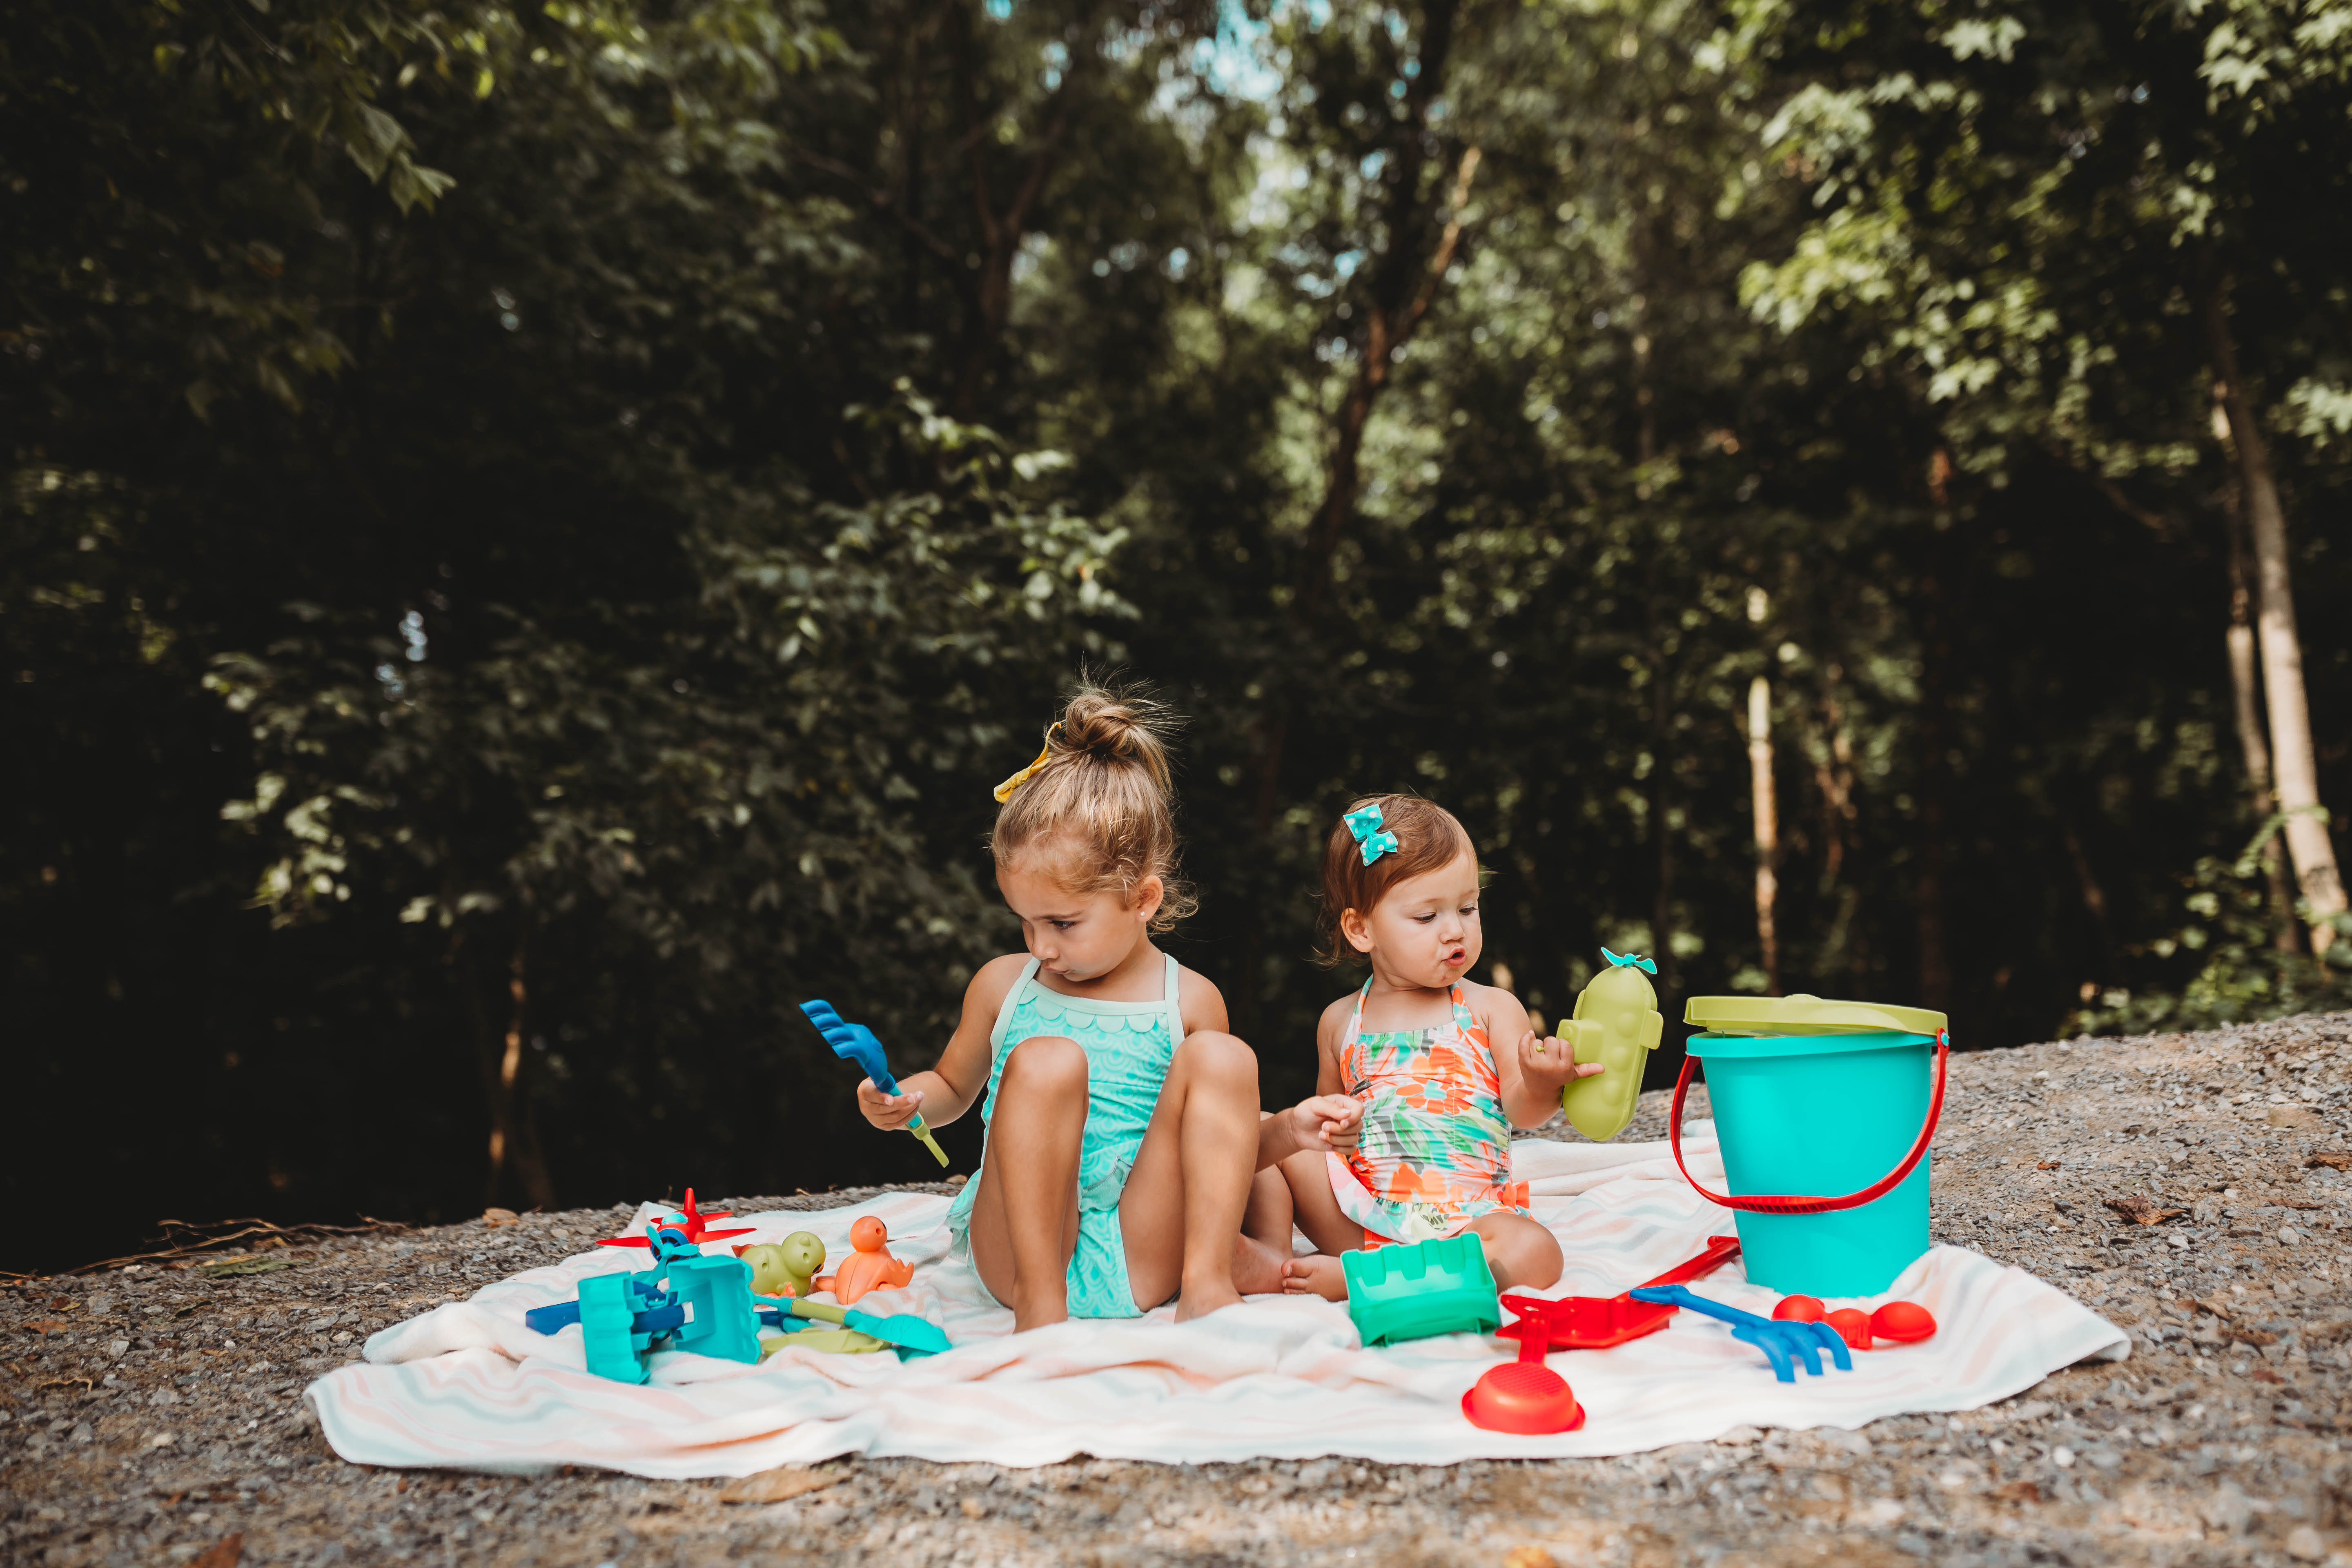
[1122,1118]
[1431,1156]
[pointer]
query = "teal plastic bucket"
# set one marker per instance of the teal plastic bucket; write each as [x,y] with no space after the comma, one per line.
[1823,1115]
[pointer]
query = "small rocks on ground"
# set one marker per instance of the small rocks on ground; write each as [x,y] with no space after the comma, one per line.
[153,1414]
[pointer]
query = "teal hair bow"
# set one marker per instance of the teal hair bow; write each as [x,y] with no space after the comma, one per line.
[1374,839]
[1628,961]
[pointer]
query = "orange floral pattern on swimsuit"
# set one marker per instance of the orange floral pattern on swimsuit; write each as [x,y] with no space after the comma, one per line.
[1434,1153]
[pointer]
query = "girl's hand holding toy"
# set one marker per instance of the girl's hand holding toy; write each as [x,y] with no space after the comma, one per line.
[1550,1065]
[855,1043]
[890,1113]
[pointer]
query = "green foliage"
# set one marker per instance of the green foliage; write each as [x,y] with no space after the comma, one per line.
[529,534]
[724,778]
[2222,964]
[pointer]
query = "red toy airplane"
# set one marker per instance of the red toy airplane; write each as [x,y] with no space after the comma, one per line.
[693,1224]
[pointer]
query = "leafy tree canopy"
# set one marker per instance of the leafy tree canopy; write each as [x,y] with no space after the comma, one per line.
[529,532]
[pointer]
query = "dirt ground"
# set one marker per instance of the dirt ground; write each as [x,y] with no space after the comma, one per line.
[155,1416]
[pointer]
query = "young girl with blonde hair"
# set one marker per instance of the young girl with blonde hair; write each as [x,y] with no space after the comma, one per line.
[1123,1123]
[1432,1156]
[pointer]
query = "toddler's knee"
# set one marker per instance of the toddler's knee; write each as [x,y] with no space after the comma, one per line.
[1529,1252]
[1046,1062]
[1223,1056]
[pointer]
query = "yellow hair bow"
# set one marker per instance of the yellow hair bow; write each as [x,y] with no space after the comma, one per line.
[1044,752]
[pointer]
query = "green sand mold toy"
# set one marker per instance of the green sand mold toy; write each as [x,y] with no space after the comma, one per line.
[1414,1292]
[1617,1024]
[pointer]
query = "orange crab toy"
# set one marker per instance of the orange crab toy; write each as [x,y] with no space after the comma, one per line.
[870,1267]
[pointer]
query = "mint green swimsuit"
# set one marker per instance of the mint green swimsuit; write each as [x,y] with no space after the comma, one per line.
[1128,1046]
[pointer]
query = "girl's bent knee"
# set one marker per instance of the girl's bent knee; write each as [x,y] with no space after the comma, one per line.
[1045,1061]
[1223,1055]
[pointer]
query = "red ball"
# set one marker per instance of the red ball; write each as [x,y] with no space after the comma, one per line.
[1905,1323]
[1521,1397]
[1852,1326]
[1797,1310]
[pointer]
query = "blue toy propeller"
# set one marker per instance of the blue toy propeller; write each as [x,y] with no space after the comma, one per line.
[1782,1341]
[855,1043]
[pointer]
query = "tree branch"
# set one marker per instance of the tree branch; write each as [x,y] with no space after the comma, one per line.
[882,201]
[1442,259]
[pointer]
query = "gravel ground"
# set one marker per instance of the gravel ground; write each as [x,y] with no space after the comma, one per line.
[155,1416]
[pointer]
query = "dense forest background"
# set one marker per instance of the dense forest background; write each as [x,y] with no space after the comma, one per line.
[529,534]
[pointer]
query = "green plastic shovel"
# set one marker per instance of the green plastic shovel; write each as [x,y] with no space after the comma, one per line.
[903,1331]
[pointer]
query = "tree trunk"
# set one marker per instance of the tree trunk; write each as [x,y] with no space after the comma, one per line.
[1390,318]
[988,297]
[1768,827]
[1833,775]
[1662,839]
[1661,730]
[1403,285]
[2095,896]
[510,1135]
[1389,326]
[2295,766]
[1400,286]
[1935,777]
[2245,693]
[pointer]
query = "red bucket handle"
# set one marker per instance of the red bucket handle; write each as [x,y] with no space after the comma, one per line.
[1791,1205]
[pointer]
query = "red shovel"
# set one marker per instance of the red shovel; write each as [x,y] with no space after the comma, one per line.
[1597,1322]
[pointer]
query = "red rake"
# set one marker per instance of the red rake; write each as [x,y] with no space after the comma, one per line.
[1597,1322]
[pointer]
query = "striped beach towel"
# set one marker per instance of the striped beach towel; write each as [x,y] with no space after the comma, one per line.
[468,1386]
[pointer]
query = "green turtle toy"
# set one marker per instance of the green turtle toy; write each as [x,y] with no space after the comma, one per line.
[786,1268]
[1617,1024]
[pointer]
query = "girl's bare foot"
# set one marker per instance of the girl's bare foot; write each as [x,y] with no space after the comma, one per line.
[1320,1275]
[1198,1301]
[1042,1313]
[1257,1267]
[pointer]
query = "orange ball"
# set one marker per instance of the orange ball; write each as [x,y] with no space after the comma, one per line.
[1797,1310]
[1852,1326]
[1905,1323]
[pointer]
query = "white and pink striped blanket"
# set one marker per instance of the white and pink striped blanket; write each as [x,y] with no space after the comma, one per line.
[468,1386]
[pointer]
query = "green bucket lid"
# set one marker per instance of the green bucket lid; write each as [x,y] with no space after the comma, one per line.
[1804,1014]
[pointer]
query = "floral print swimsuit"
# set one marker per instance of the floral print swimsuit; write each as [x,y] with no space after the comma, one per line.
[1434,1153]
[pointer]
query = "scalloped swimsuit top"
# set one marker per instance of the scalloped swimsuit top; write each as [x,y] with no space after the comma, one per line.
[1129,1048]
[1435,1150]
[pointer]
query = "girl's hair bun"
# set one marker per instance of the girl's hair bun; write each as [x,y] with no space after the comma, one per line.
[1130,726]
[1100,811]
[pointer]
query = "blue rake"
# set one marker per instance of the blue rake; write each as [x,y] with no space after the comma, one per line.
[855,1043]
[1783,1342]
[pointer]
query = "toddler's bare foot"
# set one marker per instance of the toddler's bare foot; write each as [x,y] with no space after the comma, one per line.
[1257,1267]
[1317,1276]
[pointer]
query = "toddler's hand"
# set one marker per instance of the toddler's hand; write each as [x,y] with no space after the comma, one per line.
[1328,1121]
[1550,1064]
[888,1111]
